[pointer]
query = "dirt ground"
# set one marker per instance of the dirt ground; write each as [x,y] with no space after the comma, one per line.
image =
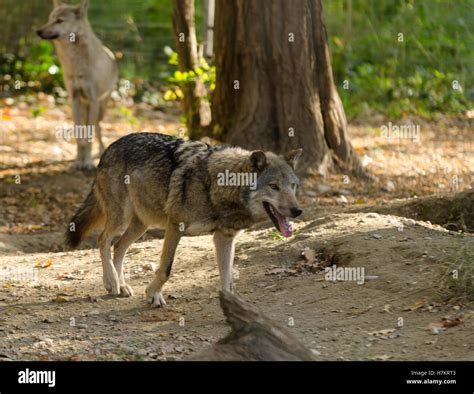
[408,307]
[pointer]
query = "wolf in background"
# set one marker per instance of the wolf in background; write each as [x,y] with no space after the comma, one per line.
[149,179]
[90,73]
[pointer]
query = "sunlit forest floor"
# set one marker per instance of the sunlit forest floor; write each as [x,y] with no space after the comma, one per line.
[408,260]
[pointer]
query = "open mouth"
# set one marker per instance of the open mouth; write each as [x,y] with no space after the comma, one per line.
[282,224]
[49,36]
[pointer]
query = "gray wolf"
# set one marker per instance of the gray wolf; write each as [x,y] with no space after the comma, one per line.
[90,71]
[149,179]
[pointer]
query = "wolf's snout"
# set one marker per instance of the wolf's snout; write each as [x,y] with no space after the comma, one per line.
[295,212]
[46,34]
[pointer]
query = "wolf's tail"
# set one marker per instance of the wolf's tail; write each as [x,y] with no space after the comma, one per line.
[85,219]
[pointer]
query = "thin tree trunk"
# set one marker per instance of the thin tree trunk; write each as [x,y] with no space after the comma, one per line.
[196,108]
[208,8]
[274,87]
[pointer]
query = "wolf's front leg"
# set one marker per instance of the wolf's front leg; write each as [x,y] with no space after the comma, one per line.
[153,291]
[225,248]
[93,120]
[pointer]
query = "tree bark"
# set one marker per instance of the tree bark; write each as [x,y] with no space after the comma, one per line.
[196,108]
[254,337]
[274,85]
[208,8]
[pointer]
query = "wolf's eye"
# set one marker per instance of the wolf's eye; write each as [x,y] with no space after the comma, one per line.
[59,20]
[274,186]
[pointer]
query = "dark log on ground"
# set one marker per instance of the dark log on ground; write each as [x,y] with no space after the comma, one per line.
[254,337]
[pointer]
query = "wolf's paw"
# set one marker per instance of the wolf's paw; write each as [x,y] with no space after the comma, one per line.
[126,291]
[156,300]
[113,287]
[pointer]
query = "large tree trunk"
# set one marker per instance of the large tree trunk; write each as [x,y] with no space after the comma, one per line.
[274,87]
[196,108]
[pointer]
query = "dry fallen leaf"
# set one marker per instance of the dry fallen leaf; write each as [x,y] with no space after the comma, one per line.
[451,322]
[44,264]
[383,334]
[6,114]
[467,315]
[383,357]
[445,322]
[68,277]
[417,305]
[60,299]
[276,271]
[308,255]
[387,308]
[159,316]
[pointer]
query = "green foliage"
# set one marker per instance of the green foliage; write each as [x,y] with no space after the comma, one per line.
[127,115]
[413,76]
[276,236]
[37,111]
[179,79]
[395,78]
[32,70]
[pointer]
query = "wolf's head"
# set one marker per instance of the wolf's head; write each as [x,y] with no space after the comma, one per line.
[65,21]
[275,195]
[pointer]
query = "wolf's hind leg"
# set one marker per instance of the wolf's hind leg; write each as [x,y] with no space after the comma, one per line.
[134,231]
[103,107]
[110,276]
[225,250]
[153,290]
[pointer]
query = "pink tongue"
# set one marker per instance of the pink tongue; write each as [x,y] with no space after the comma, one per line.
[286,227]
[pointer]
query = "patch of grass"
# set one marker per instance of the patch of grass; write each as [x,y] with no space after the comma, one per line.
[276,236]
[457,284]
[127,115]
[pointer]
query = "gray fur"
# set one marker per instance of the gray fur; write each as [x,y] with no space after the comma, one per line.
[149,179]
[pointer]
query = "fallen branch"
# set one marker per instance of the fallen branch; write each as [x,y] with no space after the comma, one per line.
[254,337]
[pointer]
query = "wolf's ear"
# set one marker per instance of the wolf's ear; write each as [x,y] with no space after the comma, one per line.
[258,160]
[292,157]
[84,7]
[56,3]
